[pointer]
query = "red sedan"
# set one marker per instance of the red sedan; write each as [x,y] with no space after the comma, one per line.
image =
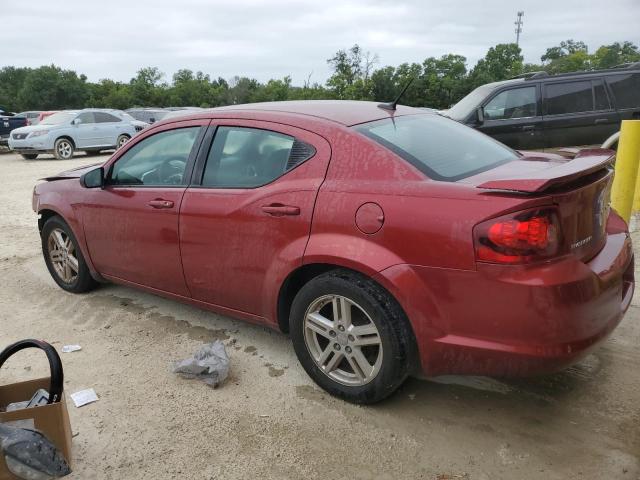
[386,242]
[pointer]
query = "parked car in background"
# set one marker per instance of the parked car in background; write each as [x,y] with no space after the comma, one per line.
[8,123]
[147,115]
[539,110]
[385,241]
[89,130]
[176,112]
[31,116]
[138,124]
[43,115]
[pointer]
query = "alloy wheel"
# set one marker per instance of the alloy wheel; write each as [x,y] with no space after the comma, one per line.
[343,340]
[122,141]
[62,253]
[65,149]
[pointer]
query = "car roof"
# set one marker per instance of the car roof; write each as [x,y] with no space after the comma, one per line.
[345,112]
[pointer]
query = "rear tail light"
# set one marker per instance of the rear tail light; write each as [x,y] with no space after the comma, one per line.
[521,237]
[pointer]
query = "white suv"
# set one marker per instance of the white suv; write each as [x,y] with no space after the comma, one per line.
[62,133]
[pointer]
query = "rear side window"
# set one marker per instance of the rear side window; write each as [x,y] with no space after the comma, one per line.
[86,117]
[626,89]
[441,148]
[102,117]
[243,157]
[514,103]
[571,97]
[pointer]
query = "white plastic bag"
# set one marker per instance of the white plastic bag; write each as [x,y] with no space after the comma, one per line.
[209,364]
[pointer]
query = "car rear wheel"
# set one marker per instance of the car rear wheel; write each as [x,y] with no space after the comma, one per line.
[29,156]
[351,336]
[63,149]
[63,257]
[122,139]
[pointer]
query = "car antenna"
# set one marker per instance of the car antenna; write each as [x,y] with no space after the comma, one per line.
[392,105]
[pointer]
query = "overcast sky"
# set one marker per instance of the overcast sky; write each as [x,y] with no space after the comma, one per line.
[273,38]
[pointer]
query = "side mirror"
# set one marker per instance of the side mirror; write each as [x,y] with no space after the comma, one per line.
[93,178]
[480,115]
[76,121]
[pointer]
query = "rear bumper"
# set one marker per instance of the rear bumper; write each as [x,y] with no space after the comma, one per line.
[516,321]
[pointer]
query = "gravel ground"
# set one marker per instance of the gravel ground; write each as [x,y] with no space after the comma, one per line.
[269,420]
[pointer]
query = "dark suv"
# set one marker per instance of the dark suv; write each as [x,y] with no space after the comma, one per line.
[538,110]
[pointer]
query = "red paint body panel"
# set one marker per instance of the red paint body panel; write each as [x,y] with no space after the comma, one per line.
[233,252]
[123,232]
[219,249]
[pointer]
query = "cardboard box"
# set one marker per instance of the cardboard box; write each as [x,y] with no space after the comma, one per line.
[51,420]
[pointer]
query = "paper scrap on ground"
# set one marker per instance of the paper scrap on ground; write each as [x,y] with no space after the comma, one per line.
[83,397]
[71,348]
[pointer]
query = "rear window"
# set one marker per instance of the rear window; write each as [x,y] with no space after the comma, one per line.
[626,89]
[441,148]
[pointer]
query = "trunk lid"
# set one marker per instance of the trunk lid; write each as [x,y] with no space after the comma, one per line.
[579,185]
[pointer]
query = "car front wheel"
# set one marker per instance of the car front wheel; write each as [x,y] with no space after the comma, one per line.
[351,336]
[63,257]
[122,139]
[63,149]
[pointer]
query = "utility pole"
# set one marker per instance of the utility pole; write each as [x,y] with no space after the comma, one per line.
[518,23]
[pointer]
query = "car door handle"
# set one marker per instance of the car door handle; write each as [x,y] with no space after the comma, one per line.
[160,203]
[278,210]
[600,121]
[528,128]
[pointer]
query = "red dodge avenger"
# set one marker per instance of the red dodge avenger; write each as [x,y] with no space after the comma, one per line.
[386,240]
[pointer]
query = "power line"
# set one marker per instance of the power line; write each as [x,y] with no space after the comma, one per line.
[518,23]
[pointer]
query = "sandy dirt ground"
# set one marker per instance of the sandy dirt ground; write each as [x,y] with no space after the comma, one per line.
[270,420]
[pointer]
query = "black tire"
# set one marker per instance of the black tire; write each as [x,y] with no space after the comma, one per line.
[122,140]
[63,149]
[29,156]
[395,334]
[83,281]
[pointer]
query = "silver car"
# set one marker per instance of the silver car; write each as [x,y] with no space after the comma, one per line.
[90,130]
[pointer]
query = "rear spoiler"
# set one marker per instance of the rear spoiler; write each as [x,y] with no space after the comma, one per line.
[584,163]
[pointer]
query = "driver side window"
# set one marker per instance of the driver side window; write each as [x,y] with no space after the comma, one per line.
[514,103]
[158,160]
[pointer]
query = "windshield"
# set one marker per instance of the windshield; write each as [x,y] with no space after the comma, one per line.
[58,118]
[441,148]
[461,110]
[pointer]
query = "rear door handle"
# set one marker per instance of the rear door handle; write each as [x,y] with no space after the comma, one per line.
[600,121]
[160,203]
[528,128]
[278,210]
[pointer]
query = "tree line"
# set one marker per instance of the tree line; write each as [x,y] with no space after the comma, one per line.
[438,82]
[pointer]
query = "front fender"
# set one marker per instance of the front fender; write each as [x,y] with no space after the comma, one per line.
[54,201]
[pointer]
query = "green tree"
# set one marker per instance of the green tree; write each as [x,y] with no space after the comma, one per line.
[566,47]
[109,94]
[11,81]
[192,90]
[501,62]
[52,88]
[608,56]
[146,88]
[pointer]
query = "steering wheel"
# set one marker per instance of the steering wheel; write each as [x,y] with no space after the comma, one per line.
[171,172]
